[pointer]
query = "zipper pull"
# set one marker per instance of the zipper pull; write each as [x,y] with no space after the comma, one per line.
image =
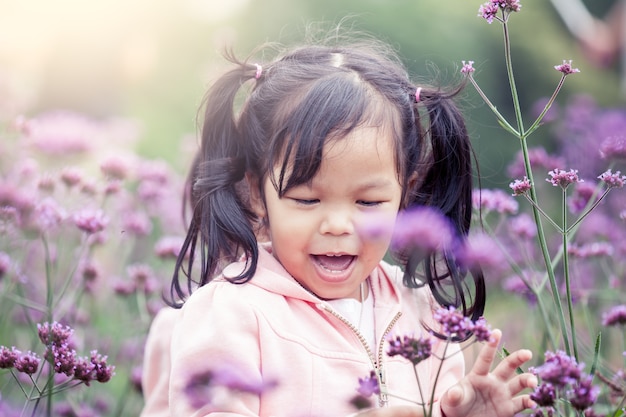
[382,386]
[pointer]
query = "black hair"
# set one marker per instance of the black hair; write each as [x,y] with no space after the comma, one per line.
[297,102]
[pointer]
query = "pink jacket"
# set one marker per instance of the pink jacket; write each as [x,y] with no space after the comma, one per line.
[271,328]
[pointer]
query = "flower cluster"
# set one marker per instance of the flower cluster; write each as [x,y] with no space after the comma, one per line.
[574,267]
[80,219]
[563,378]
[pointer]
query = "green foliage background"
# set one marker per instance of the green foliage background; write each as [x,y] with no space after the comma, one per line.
[432,35]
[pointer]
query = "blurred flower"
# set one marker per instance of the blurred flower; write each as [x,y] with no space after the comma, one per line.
[201,387]
[137,223]
[616,316]
[90,221]
[584,394]
[168,247]
[566,68]
[480,251]
[494,200]
[544,395]
[71,176]
[523,226]
[115,168]
[422,229]
[368,386]
[613,147]
[581,197]
[5,264]
[539,158]
[415,350]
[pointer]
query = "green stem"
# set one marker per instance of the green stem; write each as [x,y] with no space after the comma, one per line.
[533,194]
[544,214]
[566,272]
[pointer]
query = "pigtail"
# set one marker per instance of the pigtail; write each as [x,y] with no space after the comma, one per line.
[447,186]
[220,226]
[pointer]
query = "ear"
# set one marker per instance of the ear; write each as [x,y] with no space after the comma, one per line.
[257,202]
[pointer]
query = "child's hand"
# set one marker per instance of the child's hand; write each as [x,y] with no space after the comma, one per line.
[484,393]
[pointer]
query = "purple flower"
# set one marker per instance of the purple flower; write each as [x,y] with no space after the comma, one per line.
[544,395]
[613,147]
[613,180]
[561,178]
[54,334]
[8,357]
[63,358]
[583,192]
[481,330]
[481,251]
[103,371]
[517,285]
[559,369]
[584,394]
[488,11]
[5,263]
[84,370]
[453,323]
[168,247]
[115,168]
[616,316]
[27,363]
[90,221]
[61,133]
[494,200]
[368,386]
[468,67]
[566,68]
[201,386]
[520,187]
[593,249]
[137,223]
[49,214]
[422,228]
[71,176]
[539,158]
[415,350]
[523,226]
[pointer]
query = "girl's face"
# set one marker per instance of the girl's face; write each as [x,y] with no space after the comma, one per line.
[314,227]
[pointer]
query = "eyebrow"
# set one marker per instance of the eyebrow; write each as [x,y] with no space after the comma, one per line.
[375,183]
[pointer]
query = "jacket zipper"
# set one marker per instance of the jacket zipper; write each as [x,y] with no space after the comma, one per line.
[376,363]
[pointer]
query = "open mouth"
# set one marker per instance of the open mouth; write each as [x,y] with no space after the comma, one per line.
[334,263]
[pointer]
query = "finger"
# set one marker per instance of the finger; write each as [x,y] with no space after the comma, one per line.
[509,365]
[487,354]
[522,402]
[522,382]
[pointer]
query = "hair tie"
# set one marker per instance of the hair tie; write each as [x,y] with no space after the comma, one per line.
[417,94]
[259,71]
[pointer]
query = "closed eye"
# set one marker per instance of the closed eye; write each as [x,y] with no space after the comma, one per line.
[305,202]
[367,203]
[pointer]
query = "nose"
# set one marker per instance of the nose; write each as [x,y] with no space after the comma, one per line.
[337,222]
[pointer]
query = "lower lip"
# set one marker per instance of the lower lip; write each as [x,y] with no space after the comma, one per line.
[334,276]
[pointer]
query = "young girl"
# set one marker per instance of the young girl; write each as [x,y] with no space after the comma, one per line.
[326,141]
